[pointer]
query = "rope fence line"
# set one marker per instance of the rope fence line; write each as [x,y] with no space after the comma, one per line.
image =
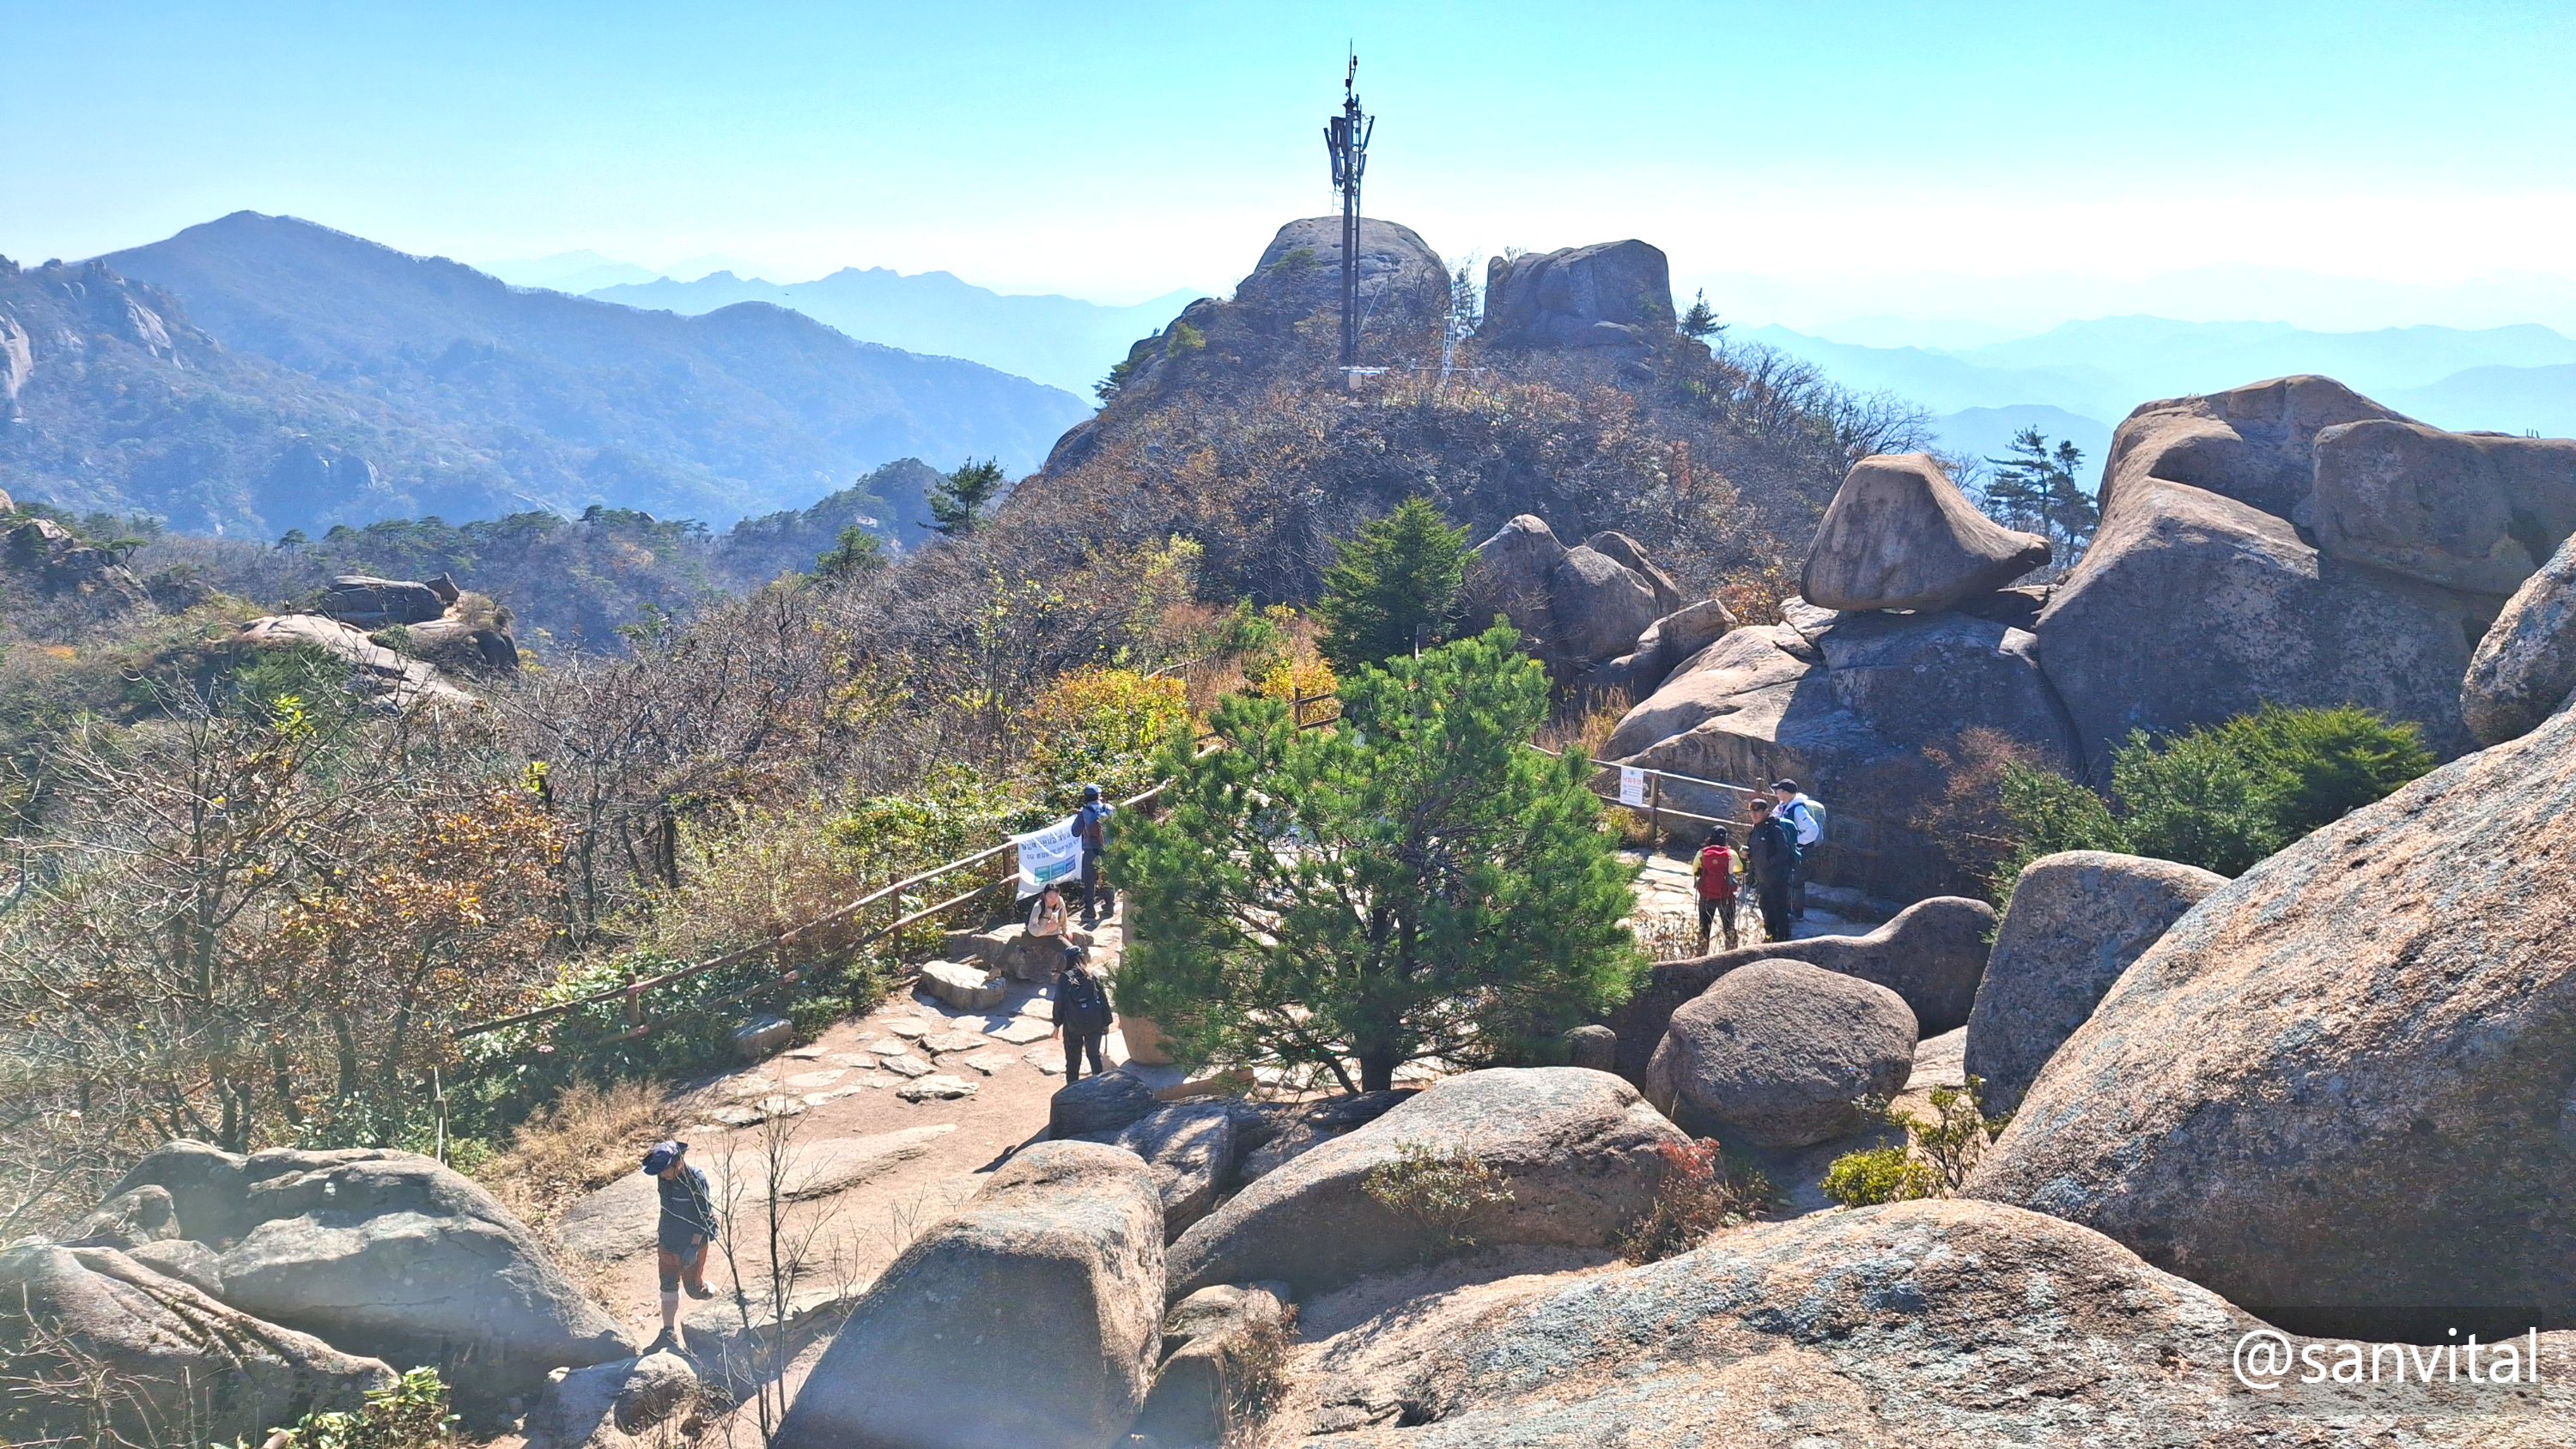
[632,993]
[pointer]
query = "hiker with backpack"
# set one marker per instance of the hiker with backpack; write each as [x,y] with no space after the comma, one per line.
[1807,819]
[688,1224]
[1716,879]
[1091,827]
[1082,1014]
[1770,858]
[1047,914]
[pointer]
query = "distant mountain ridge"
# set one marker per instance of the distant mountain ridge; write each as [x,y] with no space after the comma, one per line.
[360,382]
[1061,341]
[2506,379]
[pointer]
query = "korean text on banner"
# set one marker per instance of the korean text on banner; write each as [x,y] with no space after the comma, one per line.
[1049,854]
[1632,785]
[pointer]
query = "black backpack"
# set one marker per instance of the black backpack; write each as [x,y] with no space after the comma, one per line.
[1084,1002]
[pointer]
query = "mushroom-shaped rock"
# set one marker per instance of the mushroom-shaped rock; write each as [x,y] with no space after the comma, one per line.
[2525,666]
[2342,1079]
[2077,919]
[1776,1054]
[1032,1318]
[1900,535]
[1577,1149]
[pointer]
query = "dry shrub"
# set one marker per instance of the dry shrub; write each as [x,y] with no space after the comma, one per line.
[586,1138]
[1701,1194]
[1752,592]
[1586,724]
[1256,1377]
[1966,821]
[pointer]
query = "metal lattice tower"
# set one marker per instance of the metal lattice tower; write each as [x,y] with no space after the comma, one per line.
[1347,138]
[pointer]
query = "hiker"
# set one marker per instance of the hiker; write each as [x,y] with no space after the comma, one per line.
[688,1225]
[1770,856]
[1082,1014]
[1807,819]
[1716,877]
[1046,913]
[1091,827]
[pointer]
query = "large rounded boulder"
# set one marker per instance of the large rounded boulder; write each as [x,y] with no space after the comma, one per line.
[2342,1081]
[1776,1054]
[171,1353]
[1932,955]
[2077,919]
[2524,667]
[1579,1152]
[1920,1323]
[386,1254]
[1032,1318]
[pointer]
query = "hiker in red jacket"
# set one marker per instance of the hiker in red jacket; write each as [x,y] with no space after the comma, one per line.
[1717,886]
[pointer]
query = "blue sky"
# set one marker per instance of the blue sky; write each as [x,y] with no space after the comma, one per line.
[1932,160]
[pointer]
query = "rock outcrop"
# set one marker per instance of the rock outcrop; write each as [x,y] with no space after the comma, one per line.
[1191,1147]
[1900,535]
[1577,1148]
[388,1255]
[61,566]
[1279,1133]
[393,681]
[1921,1323]
[615,1405]
[1662,648]
[1608,294]
[1101,1104]
[2524,668]
[1032,1318]
[1846,704]
[2293,542]
[1932,955]
[373,603]
[2341,1081]
[1577,606]
[1777,1054]
[2076,921]
[1204,1337]
[179,1356]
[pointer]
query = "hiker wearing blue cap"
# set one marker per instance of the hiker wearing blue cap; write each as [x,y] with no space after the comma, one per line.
[688,1225]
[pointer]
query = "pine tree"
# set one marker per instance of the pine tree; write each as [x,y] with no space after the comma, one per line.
[1415,883]
[1701,321]
[958,501]
[857,552]
[1395,588]
[2036,490]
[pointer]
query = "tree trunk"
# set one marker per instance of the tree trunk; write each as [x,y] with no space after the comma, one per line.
[1377,1069]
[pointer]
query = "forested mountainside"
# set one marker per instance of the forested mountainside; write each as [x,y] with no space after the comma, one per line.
[257,374]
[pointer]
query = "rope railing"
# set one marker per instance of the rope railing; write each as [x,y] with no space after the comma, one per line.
[632,992]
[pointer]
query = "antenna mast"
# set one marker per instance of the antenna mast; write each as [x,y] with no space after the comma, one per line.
[1347,138]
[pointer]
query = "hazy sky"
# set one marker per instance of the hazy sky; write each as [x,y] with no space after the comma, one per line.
[1855,157]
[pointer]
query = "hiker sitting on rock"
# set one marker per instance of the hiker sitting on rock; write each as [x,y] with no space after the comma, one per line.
[1081,1014]
[1047,913]
[688,1225]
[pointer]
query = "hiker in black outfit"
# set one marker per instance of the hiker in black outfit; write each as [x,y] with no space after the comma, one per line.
[1081,1014]
[1091,827]
[1771,858]
[688,1225]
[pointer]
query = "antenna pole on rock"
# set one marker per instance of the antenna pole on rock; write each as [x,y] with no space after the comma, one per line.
[1347,138]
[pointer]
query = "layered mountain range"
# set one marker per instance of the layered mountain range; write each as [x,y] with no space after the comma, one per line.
[260,373]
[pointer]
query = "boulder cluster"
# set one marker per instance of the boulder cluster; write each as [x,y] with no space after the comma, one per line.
[283,1282]
[444,631]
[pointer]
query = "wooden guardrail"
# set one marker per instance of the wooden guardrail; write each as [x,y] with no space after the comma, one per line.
[632,993]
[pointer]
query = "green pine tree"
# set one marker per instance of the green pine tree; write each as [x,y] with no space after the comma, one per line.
[2036,490]
[959,501]
[1700,321]
[857,552]
[1417,883]
[1395,588]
